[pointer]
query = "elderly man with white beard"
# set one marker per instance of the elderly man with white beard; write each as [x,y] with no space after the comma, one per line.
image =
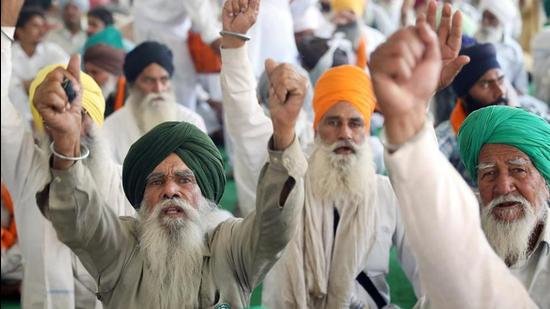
[53,276]
[339,256]
[174,254]
[505,149]
[148,69]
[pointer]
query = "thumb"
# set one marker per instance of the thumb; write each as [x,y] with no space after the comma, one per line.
[74,67]
[270,66]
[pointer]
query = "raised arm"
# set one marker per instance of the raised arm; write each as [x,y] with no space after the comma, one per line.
[457,267]
[257,241]
[248,127]
[72,201]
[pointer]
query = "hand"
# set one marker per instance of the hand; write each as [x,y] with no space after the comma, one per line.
[450,41]
[62,119]
[405,71]
[238,16]
[286,96]
[10,12]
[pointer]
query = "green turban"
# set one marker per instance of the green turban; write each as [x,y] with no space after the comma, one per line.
[505,125]
[192,145]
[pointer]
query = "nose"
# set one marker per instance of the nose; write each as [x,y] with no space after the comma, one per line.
[158,86]
[171,190]
[504,185]
[344,132]
[498,90]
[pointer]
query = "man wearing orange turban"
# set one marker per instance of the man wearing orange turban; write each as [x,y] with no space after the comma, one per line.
[339,254]
[50,281]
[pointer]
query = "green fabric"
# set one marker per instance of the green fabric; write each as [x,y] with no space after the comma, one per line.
[505,125]
[109,36]
[192,145]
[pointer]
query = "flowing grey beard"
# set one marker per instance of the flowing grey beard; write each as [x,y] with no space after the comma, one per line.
[173,249]
[342,176]
[153,108]
[490,34]
[510,239]
[109,86]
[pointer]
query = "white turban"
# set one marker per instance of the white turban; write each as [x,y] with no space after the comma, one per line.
[83,5]
[311,19]
[507,13]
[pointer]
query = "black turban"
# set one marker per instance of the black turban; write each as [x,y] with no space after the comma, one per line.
[483,57]
[192,145]
[145,54]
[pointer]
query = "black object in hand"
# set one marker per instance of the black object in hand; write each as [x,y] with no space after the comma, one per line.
[69,90]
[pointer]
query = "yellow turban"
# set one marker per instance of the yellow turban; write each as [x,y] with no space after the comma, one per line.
[92,99]
[344,83]
[357,6]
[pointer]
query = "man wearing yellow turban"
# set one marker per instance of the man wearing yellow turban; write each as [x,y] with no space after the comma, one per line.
[339,255]
[175,253]
[53,277]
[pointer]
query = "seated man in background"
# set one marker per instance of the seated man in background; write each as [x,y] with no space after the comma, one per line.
[148,70]
[105,64]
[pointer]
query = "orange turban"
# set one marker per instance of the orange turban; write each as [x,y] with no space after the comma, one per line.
[344,83]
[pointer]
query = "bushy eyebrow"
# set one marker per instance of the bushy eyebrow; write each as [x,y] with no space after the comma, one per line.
[483,166]
[159,175]
[519,161]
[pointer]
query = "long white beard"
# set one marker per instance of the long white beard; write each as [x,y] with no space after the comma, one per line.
[109,86]
[490,34]
[153,108]
[510,239]
[340,177]
[173,249]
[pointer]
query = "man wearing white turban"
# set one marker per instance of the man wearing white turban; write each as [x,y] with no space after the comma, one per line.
[71,37]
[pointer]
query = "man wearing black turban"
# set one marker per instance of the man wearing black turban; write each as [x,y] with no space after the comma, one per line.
[177,253]
[148,69]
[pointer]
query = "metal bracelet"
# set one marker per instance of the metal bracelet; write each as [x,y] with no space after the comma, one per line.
[237,35]
[85,153]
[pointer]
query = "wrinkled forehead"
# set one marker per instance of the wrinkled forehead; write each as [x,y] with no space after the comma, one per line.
[491,154]
[343,110]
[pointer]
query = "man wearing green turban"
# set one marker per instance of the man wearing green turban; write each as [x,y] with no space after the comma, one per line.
[507,150]
[179,252]
[458,262]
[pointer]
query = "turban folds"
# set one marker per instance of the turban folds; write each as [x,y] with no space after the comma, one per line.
[483,57]
[192,145]
[92,97]
[357,6]
[105,57]
[505,125]
[344,83]
[145,54]
[110,36]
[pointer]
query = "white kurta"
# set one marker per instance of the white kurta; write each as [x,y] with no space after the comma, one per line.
[26,67]
[53,276]
[121,129]
[70,43]
[458,268]
[250,129]
[168,22]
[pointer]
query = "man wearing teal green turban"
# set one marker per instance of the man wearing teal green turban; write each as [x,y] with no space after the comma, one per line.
[181,250]
[508,151]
